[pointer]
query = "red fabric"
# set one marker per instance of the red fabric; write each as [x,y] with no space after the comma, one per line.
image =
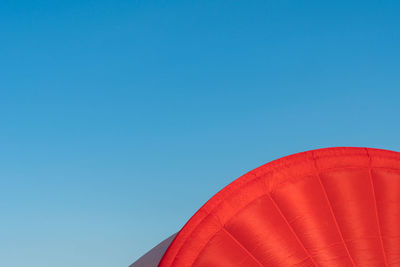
[327,207]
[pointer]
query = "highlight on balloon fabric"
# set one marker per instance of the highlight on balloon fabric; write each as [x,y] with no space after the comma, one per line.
[326,207]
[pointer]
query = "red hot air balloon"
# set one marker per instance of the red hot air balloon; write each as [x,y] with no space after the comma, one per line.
[327,207]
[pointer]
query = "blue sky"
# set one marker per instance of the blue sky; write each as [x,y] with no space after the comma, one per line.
[119,119]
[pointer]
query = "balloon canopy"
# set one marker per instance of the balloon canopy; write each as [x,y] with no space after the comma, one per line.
[326,207]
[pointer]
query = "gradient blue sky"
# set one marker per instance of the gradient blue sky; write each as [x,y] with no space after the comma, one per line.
[119,119]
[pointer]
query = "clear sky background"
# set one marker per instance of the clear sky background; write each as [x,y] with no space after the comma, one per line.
[119,119]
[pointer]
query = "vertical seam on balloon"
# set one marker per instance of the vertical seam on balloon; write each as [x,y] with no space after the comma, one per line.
[291,229]
[330,207]
[376,206]
[242,246]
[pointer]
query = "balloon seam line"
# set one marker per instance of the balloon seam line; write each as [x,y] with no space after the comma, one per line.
[242,246]
[376,207]
[292,230]
[330,208]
